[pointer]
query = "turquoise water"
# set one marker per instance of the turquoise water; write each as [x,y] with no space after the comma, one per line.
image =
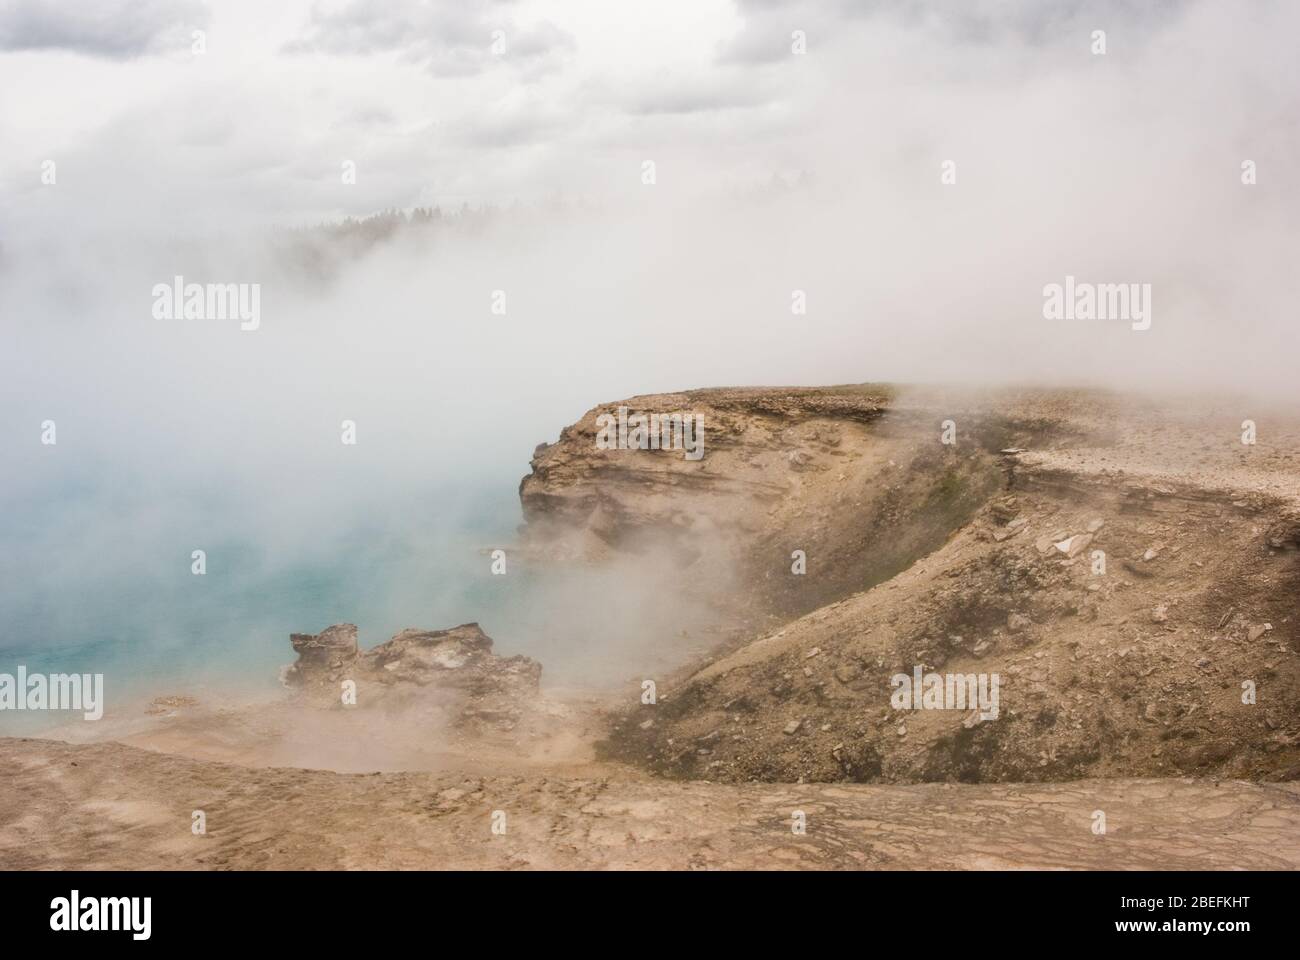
[134,611]
[96,578]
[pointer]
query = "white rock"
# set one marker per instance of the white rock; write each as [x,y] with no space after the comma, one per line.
[1072,546]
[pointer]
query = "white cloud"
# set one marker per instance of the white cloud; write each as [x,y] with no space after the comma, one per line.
[449,38]
[113,29]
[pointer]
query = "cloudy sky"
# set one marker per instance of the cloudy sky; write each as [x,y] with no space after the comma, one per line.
[413,92]
[417,95]
[775,170]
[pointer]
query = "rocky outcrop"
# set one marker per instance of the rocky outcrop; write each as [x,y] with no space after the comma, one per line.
[1130,583]
[849,484]
[326,657]
[454,670]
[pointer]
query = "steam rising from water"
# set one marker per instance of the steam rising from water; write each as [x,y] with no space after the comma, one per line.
[180,435]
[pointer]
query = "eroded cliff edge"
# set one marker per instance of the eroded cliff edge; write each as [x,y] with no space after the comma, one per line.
[1127,567]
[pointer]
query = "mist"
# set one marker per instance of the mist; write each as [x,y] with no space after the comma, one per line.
[773,173]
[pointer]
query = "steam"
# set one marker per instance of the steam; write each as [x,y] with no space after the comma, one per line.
[773,174]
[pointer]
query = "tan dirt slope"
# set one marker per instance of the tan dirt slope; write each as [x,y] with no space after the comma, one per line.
[1128,568]
[113,806]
